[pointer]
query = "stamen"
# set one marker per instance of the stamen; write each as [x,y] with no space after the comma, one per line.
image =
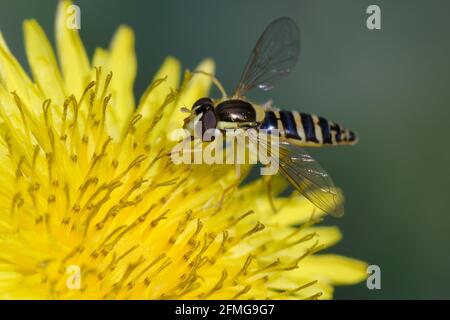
[243,291]
[107,82]
[132,125]
[19,173]
[22,114]
[162,216]
[314,296]
[235,221]
[150,88]
[151,264]
[258,227]
[35,155]
[17,202]
[243,270]
[218,285]
[45,108]
[85,91]
[75,111]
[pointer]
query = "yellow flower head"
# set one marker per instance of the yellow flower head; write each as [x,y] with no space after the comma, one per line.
[91,206]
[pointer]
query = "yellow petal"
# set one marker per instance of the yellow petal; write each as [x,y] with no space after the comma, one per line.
[154,96]
[327,236]
[123,65]
[303,287]
[197,87]
[43,62]
[332,269]
[11,73]
[71,53]
[101,58]
[298,210]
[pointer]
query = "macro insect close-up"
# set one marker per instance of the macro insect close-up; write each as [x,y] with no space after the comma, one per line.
[169,151]
[273,57]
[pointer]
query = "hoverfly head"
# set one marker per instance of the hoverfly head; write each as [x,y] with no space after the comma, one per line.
[202,118]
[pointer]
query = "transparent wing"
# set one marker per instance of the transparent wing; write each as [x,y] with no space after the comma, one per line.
[310,179]
[272,58]
[305,174]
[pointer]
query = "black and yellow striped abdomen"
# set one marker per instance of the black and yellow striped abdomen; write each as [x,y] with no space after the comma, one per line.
[307,129]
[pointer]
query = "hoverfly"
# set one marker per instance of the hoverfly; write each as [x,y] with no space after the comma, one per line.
[273,57]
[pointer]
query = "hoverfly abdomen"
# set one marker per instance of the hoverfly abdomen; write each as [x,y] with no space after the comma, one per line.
[341,136]
[289,127]
[270,121]
[236,111]
[307,129]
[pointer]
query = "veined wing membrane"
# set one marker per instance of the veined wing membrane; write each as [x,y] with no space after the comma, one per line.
[272,58]
[310,179]
[305,174]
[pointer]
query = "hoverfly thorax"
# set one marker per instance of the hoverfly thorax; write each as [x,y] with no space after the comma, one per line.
[236,111]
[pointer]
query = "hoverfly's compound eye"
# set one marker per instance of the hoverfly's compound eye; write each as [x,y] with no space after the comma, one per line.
[202,101]
[209,121]
[201,105]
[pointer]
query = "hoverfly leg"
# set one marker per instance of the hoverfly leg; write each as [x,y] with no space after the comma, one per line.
[238,170]
[225,192]
[216,82]
[269,194]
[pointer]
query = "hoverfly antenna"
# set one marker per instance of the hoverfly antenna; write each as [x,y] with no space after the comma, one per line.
[185,110]
[214,80]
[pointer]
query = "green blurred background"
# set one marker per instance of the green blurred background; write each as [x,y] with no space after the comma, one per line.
[389,85]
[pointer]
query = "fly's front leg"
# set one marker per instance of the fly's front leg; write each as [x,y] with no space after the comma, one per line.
[269,194]
[238,170]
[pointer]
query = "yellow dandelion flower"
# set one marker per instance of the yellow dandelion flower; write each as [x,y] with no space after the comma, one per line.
[92,207]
